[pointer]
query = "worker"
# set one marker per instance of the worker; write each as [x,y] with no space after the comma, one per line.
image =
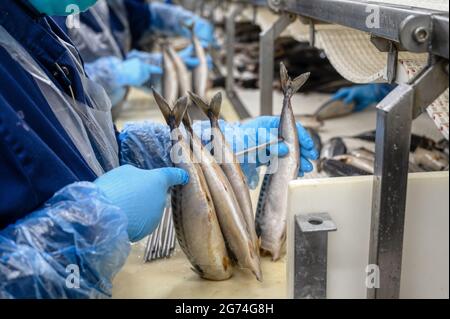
[68,206]
[108,37]
[363,96]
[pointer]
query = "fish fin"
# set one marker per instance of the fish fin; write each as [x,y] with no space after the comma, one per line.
[163,105]
[172,117]
[179,110]
[289,86]
[284,77]
[189,26]
[187,120]
[216,104]
[201,103]
[299,81]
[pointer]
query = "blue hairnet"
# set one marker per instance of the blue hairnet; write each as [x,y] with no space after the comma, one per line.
[76,229]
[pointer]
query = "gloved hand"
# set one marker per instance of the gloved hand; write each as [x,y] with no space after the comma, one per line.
[145,57]
[256,132]
[134,72]
[171,20]
[363,95]
[264,129]
[204,31]
[187,55]
[61,7]
[141,194]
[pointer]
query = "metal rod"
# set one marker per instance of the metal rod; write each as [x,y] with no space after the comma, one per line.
[266,64]
[257,148]
[234,12]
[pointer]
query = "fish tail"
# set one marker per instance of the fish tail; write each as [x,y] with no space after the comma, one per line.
[213,109]
[188,122]
[173,116]
[289,86]
[190,26]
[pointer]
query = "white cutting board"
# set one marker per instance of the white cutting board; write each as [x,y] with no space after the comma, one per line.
[425,271]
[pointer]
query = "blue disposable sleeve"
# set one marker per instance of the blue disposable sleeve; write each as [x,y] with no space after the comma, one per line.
[70,248]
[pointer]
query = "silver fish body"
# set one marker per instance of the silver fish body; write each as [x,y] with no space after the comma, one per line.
[430,160]
[195,220]
[272,213]
[335,168]
[228,211]
[228,161]
[364,164]
[183,74]
[200,73]
[170,78]
[334,147]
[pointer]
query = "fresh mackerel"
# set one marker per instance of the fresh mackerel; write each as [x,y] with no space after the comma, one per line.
[229,213]
[229,163]
[183,74]
[197,227]
[272,207]
[170,77]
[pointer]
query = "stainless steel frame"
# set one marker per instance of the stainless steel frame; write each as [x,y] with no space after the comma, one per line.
[400,28]
[311,255]
[266,60]
[232,95]
[393,141]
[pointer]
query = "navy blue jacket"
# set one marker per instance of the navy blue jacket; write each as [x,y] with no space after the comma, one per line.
[37,157]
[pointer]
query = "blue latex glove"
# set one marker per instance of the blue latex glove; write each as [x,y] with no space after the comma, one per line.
[256,132]
[61,7]
[141,195]
[145,57]
[363,96]
[114,74]
[134,72]
[264,129]
[187,55]
[171,20]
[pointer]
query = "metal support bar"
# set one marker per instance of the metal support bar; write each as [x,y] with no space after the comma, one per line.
[383,20]
[394,120]
[235,11]
[266,59]
[311,250]
[392,63]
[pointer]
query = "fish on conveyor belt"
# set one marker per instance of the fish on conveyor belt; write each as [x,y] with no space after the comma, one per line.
[430,160]
[334,147]
[334,109]
[336,168]
[316,139]
[363,153]
[199,74]
[366,165]
[443,146]
[170,77]
[197,227]
[183,74]
[367,155]
[229,163]
[230,216]
[416,140]
[272,208]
